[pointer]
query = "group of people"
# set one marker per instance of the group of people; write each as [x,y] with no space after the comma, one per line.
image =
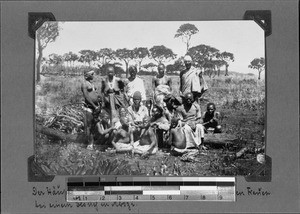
[120,115]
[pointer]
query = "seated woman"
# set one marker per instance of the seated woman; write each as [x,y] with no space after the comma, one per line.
[123,138]
[147,143]
[211,118]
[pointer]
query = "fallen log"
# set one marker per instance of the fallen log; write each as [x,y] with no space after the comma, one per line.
[219,138]
[58,135]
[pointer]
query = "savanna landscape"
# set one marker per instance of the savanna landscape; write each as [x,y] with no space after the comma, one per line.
[239,95]
[240,98]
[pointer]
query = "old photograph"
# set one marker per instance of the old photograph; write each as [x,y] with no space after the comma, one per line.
[164,98]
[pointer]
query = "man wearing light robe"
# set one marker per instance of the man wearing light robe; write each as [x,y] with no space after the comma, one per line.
[191,80]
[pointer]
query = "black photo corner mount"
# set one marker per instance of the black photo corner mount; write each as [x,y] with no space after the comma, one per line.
[36,173]
[262,18]
[263,173]
[36,20]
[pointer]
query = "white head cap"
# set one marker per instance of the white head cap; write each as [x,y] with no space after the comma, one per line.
[187,58]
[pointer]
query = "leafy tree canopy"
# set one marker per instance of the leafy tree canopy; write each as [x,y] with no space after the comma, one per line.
[161,53]
[257,63]
[201,54]
[226,56]
[186,31]
[47,33]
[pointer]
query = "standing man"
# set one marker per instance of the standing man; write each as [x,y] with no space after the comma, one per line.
[135,84]
[91,105]
[112,88]
[162,85]
[191,80]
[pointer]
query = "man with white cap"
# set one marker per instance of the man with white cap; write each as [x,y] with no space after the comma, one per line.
[191,80]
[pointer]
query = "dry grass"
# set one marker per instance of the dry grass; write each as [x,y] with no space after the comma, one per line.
[240,98]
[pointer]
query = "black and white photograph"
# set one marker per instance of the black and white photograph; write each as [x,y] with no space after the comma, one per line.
[150,98]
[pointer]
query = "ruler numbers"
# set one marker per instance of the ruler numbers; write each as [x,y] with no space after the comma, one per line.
[160,189]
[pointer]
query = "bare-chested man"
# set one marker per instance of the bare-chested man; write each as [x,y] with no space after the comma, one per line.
[123,137]
[162,85]
[147,143]
[160,124]
[177,137]
[92,102]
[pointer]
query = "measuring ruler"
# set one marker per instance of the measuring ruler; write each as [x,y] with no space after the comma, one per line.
[100,189]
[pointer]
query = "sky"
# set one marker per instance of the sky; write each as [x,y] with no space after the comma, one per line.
[245,39]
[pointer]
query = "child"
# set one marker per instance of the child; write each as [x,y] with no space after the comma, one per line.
[104,133]
[177,138]
[211,118]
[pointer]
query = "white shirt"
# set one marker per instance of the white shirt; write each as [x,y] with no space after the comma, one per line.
[136,85]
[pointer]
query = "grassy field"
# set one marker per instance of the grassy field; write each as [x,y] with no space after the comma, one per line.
[239,97]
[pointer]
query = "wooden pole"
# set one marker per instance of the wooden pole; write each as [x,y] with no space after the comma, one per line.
[112,107]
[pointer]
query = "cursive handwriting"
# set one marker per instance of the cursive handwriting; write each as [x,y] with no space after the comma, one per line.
[57,192]
[51,191]
[253,192]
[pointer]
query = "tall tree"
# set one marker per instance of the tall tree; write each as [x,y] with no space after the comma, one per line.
[125,55]
[186,31]
[139,55]
[161,54]
[46,34]
[259,64]
[226,57]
